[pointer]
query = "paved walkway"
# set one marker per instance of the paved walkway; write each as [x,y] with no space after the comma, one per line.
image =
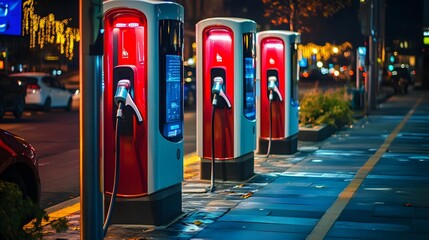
[368,181]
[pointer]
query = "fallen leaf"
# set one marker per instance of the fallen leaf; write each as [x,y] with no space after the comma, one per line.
[247,195]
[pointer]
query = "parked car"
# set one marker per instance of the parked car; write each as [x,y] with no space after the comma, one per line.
[71,83]
[12,97]
[189,86]
[19,165]
[44,91]
[73,87]
[400,78]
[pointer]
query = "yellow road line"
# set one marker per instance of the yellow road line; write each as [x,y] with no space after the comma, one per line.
[190,159]
[331,215]
[65,211]
[57,214]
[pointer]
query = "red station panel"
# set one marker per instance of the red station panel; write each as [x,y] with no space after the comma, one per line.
[272,50]
[218,47]
[124,44]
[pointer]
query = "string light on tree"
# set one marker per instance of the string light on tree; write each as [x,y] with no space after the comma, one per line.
[47,30]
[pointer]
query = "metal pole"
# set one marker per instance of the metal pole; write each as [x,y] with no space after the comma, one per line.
[366,93]
[91,217]
[372,61]
[357,70]
[372,80]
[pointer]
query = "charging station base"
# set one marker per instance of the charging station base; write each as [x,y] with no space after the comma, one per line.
[236,169]
[288,145]
[159,208]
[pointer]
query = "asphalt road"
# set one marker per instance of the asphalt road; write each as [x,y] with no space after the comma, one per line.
[55,136]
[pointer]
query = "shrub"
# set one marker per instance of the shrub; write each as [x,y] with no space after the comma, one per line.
[331,108]
[15,211]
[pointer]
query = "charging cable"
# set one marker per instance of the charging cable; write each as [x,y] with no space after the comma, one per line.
[212,176]
[119,116]
[122,99]
[272,87]
[217,91]
[270,124]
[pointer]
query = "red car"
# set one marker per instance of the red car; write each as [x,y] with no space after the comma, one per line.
[19,164]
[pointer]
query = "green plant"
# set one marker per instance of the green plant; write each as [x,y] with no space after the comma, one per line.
[15,211]
[331,108]
[60,225]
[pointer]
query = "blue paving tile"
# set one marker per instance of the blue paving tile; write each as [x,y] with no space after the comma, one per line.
[324,202]
[312,176]
[341,238]
[317,174]
[366,216]
[267,219]
[252,212]
[364,234]
[262,205]
[266,227]
[422,212]
[213,234]
[420,225]
[372,226]
[396,177]
[318,190]
[393,211]
[279,213]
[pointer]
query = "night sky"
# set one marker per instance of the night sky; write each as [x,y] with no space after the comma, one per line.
[62,9]
[343,26]
[403,19]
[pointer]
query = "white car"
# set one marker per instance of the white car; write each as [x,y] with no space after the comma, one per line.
[71,82]
[44,91]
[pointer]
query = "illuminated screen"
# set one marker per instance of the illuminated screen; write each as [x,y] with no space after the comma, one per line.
[172,101]
[249,77]
[249,66]
[10,17]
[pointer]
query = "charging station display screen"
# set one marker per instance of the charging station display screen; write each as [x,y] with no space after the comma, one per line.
[172,97]
[294,74]
[173,77]
[170,76]
[249,76]
[249,66]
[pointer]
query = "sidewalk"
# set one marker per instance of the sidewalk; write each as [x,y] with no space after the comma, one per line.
[368,181]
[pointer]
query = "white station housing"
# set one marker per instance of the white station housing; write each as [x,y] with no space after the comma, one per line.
[277,57]
[226,49]
[143,43]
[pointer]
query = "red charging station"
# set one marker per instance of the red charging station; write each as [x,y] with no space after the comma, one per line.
[143,47]
[277,102]
[226,74]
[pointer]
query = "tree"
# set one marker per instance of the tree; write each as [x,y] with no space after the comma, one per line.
[293,12]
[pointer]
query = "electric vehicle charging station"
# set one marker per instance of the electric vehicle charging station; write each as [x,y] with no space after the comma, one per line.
[277,102]
[143,65]
[226,71]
